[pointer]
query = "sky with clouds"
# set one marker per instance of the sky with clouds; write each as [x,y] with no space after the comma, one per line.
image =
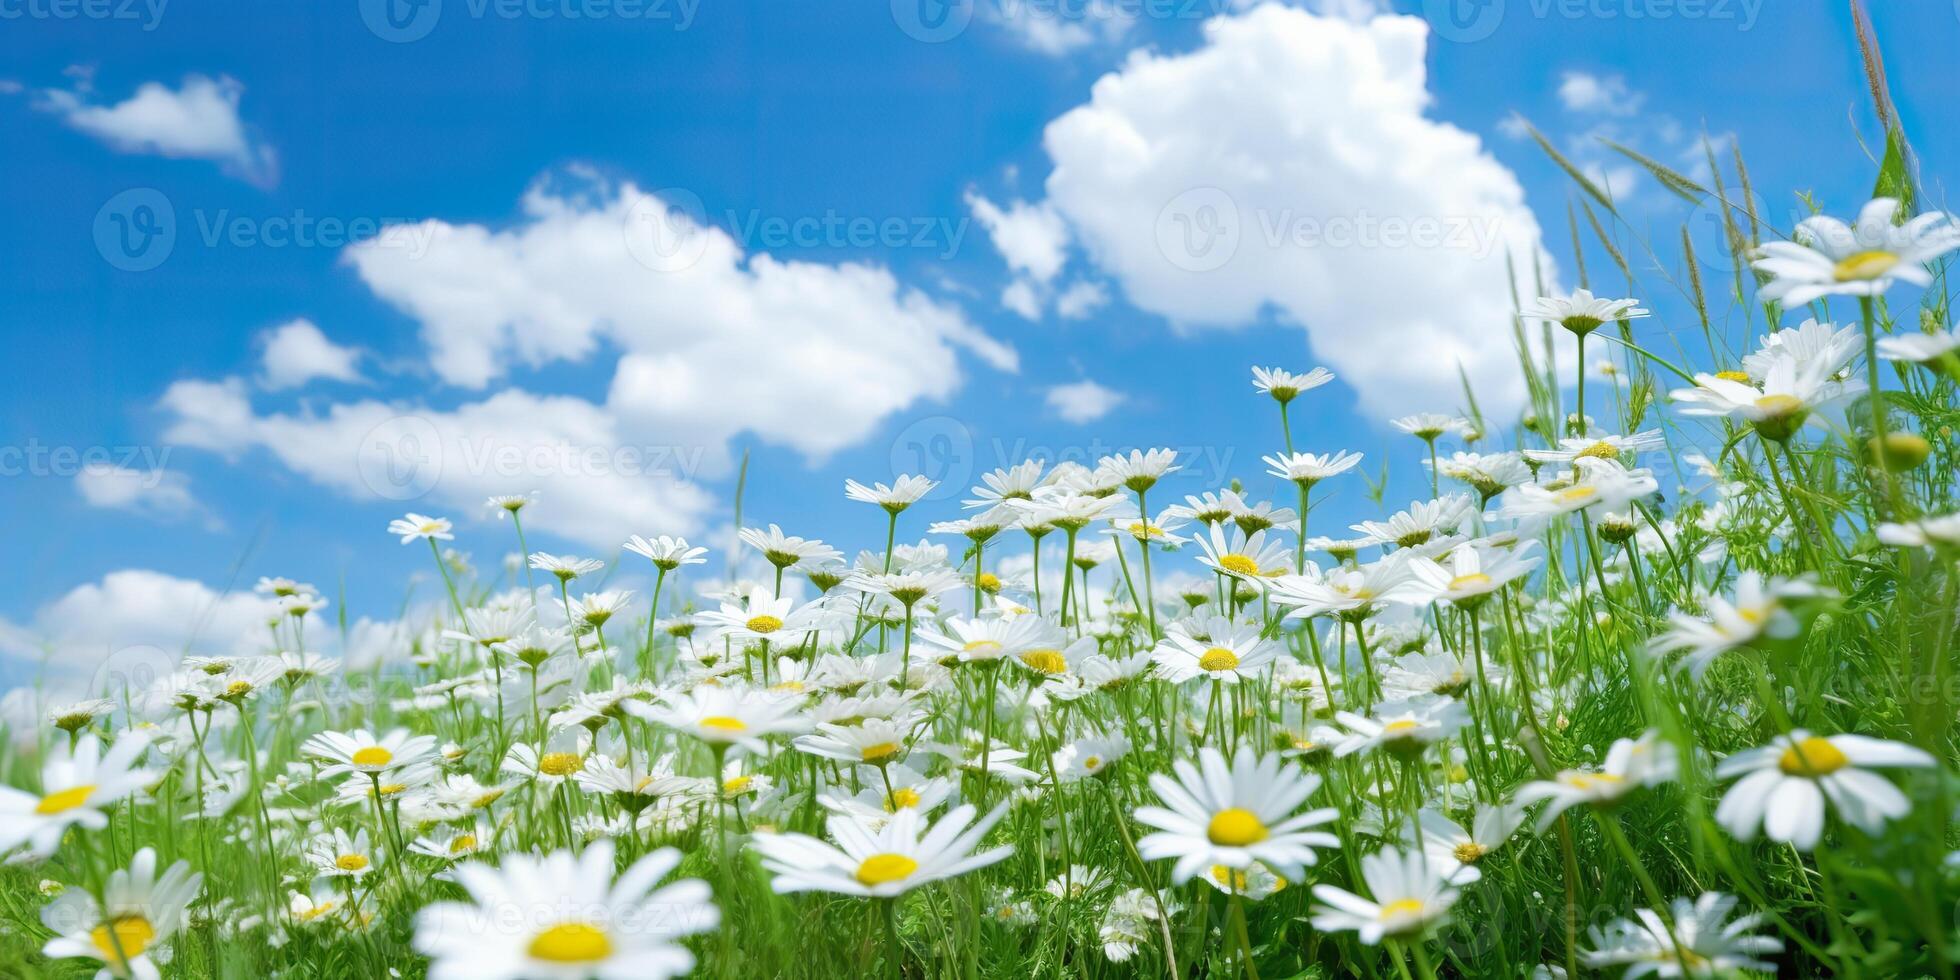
[278,273]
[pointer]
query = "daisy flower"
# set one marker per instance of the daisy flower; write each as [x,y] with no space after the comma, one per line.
[1759,611]
[565,567]
[1226,655]
[1456,850]
[1919,348]
[1403,728]
[758,616]
[970,640]
[1284,386]
[666,553]
[1702,940]
[1411,895]
[1140,470]
[1777,407]
[1430,426]
[1826,345]
[1469,575]
[341,855]
[788,551]
[564,916]
[1927,532]
[1001,486]
[1487,473]
[1630,765]
[508,504]
[1351,592]
[1247,557]
[417,526]
[1786,785]
[1423,520]
[76,787]
[873,741]
[130,930]
[1582,312]
[904,492]
[1235,814]
[1603,446]
[361,751]
[1307,469]
[1829,258]
[723,716]
[904,854]
[1600,483]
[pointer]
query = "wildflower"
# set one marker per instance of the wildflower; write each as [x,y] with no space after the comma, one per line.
[1760,611]
[1702,941]
[1602,446]
[1235,814]
[77,715]
[902,855]
[565,915]
[1789,782]
[1630,764]
[759,616]
[130,931]
[1919,348]
[1284,386]
[1470,574]
[1017,482]
[874,741]
[1430,426]
[1140,470]
[1411,895]
[361,751]
[1227,654]
[508,504]
[723,717]
[341,855]
[1241,555]
[1404,728]
[1942,532]
[1830,258]
[788,551]
[1307,469]
[1777,407]
[904,492]
[666,553]
[417,526]
[1456,850]
[1582,312]
[76,787]
[982,640]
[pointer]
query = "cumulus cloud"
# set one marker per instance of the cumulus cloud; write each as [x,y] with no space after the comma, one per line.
[1082,401]
[1031,237]
[1060,29]
[1581,91]
[602,484]
[714,341]
[1321,191]
[157,493]
[197,120]
[1080,300]
[136,608]
[297,352]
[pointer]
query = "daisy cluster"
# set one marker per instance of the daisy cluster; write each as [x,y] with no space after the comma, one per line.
[1549,719]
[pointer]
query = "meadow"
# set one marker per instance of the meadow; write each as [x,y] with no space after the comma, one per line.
[1657,681]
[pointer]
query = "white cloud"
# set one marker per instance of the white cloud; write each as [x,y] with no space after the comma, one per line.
[715,342]
[1060,29]
[158,493]
[596,484]
[1080,300]
[1022,297]
[137,608]
[1287,164]
[1581,91]
[198,121]
[1032,238]
[1082,401]
[297,352]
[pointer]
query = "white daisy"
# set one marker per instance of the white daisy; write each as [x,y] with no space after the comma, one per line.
[130,930]
[75,789]
[904,854]
[1411,895]
[1786,785]
[1830,258]
[1235,814]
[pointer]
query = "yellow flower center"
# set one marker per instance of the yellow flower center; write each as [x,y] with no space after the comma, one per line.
[373,755]
[462,844]
[880,751]
[560,763]
[903,798]
[788,687]
[737,785]
[1600,450]
[1400,728]
[351,862]
[238,689]
[131,934]
[881,869]
[391,789]
[63,801]
[724,723]
[1470,581]
[1864,265]
[1045,661]
[1401,907]
[1235,827]
[1239,564]
[1812,757]
[1218,658]
[1778,406]
[571,942]
[1469,852]
[1590,780]
[1092,763]
[981,646]
[1576,494]
[1228,878]
[1741,377]
[988,582]
[764,624]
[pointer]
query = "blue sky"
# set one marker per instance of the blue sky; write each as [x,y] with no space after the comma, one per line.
[860,311]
